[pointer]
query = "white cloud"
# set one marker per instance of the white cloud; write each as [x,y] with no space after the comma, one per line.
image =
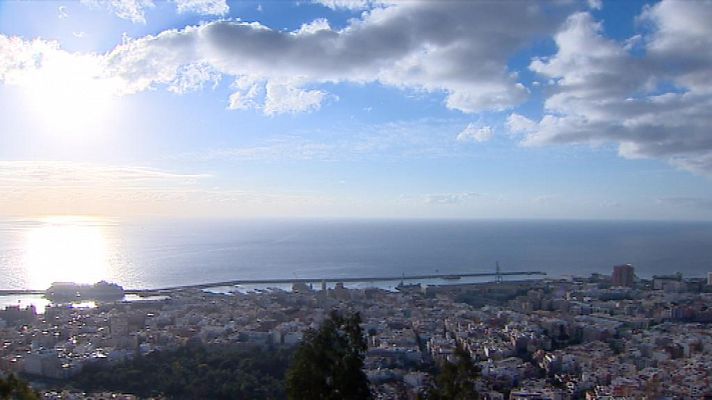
[53,174]
[193,77]
[44,68]
[473,133]
[401,45]
[285,98]
[422,138]
[279,149]
[62,12]
[450,198]
[319,24]
[132,10]
[653,106]
[520,124]
[203,7]
[58,188]
[135,10]
[595,4]
[247,92]
[545,199]
[346,4]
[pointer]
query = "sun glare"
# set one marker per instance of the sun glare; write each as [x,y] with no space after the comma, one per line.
[67,97]
[67,250]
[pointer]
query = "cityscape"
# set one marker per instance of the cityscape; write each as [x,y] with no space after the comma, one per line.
[599,337]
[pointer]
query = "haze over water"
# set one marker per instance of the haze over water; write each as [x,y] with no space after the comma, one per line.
[152,254]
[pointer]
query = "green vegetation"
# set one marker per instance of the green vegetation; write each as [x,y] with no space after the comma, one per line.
[328,364]
[12,388]
[196,372]
[456,381]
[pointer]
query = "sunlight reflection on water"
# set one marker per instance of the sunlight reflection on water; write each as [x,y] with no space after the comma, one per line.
[66,250]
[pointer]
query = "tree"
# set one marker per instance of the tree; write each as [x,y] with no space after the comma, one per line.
[12,388]
[329,362]
[194,371]
[456,381]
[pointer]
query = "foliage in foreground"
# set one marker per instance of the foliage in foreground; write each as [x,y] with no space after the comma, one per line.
[15,389]
[456,381]
[196,372]
[329,362]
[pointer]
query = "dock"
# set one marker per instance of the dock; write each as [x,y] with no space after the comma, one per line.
[236,282]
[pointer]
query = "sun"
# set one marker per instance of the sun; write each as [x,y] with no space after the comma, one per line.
[68,97]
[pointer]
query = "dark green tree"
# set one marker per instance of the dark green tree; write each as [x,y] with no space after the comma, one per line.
[12,388]
[456,381]
[329,362]
[195,372]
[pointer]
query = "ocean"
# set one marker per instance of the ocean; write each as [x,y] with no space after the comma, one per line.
[153,254]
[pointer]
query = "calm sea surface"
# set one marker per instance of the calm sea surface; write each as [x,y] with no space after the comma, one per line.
[34,253]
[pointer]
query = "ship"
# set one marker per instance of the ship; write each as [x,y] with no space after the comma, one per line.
[72,292]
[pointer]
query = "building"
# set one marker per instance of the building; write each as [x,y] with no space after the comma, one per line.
[709,278]
[623,275]
[668,282]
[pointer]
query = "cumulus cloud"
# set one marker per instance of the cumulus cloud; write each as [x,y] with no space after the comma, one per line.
[455,49]
[520,124]
[43,66]
[284,98]
[203,7]
[653,106]
[319,24]
[459,49]
[473,133]
[193,77]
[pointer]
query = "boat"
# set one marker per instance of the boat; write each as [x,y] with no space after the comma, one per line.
[407,286]
[451,277]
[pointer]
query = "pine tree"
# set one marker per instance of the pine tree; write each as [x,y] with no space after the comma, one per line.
[456,381]
[12,388]
[329,362]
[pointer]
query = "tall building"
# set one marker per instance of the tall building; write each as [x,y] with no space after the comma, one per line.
[709,278]
[623,275]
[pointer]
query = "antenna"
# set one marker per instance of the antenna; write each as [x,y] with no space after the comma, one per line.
[498,273]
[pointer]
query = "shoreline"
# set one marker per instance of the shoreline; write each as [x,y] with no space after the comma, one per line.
[239,282]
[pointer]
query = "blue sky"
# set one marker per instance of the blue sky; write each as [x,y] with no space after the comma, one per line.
[593,110]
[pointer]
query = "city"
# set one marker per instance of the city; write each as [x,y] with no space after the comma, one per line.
[601,337]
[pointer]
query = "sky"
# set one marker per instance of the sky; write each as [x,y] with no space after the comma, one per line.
[356,109]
